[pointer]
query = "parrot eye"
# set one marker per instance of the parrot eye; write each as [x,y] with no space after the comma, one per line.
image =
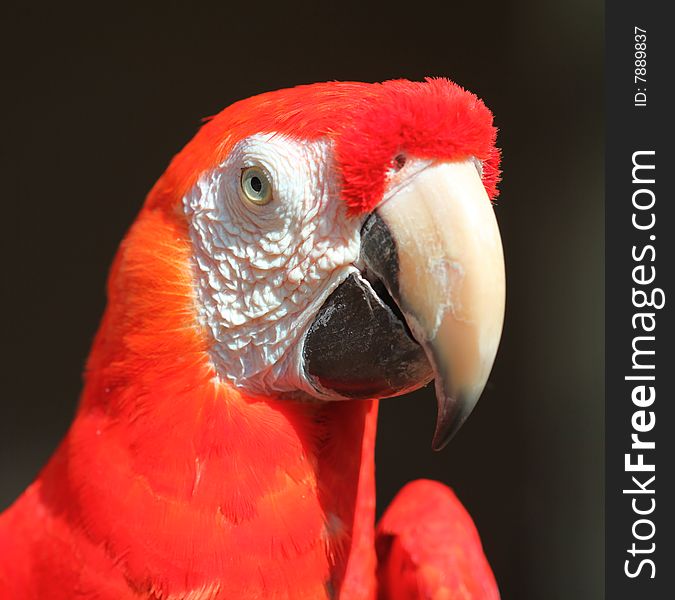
[255,186]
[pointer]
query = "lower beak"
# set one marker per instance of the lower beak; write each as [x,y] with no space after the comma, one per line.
[429,302]
[445,270]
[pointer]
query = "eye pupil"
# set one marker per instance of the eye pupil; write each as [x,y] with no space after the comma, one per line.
[256,184]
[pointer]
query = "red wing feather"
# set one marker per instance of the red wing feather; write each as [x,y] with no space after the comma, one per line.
[428,548]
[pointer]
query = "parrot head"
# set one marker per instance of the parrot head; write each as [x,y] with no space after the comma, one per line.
[341,244]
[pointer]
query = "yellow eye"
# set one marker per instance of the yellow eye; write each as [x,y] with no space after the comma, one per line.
[256,186]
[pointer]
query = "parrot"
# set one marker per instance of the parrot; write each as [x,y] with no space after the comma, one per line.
[309,252]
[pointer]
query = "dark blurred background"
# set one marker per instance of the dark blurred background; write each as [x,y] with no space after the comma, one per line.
[95,101]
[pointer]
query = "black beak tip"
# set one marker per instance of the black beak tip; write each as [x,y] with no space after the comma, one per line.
[452,412]
[443,434]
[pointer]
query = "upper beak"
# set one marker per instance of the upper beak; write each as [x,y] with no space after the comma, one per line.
[434,244]
[447,276]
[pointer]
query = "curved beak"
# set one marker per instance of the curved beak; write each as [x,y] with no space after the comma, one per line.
[435,245]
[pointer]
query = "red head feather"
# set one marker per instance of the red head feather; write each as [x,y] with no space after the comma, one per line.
[368,123]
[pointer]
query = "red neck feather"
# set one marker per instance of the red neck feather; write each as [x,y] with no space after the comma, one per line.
[187,483]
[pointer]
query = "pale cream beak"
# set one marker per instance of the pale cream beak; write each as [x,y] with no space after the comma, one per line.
[450,282]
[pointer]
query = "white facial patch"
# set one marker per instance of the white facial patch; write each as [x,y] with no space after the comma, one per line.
[263,272]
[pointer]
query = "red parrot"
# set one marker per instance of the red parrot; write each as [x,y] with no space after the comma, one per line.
[309,251]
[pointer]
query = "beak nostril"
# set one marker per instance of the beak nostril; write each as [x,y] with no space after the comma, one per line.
[399,162]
